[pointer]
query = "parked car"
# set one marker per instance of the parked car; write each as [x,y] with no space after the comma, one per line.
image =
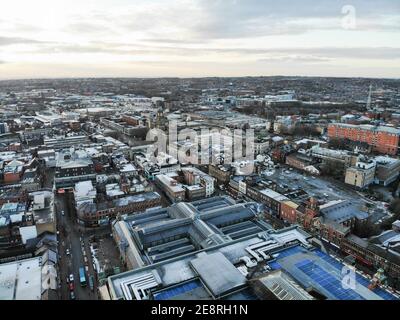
[67,252]
[71,277]
[71,286]
[72,295]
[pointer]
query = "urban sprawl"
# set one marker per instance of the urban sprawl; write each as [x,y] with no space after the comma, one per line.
[97,201]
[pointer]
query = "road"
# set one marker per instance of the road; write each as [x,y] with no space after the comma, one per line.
[70,236]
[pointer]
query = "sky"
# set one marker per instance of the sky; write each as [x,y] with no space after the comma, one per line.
[195,38]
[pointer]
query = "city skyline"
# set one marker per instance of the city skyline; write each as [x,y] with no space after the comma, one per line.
[182,38]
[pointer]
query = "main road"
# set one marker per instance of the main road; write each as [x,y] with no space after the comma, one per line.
[73,240]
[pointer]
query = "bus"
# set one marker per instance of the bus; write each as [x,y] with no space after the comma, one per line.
[82,277]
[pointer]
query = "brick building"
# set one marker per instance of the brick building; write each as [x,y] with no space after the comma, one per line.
[381,139]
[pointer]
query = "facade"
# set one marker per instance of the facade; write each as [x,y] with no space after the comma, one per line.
[65,142]
[342,157]
[73,167]
[13,171]
[269,198]
[387,170]
[289,211]
[42,210]
[174,190]
[196,176]
[372,255]
[381,139]
[362,174]
[299,161]
[92,214]
[220,172]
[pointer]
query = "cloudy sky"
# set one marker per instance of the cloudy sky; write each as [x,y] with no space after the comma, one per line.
[149,38]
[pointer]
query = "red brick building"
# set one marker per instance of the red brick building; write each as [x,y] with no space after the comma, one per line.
[289,211]
[381,139]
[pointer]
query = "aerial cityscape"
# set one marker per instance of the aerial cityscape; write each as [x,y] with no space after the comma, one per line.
[233,184]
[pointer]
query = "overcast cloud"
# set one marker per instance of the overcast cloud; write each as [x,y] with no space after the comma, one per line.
[199,37]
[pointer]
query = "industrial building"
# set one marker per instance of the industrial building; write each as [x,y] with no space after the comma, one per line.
[246,269]
[160,234]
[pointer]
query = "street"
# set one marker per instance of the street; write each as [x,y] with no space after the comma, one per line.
[73,239]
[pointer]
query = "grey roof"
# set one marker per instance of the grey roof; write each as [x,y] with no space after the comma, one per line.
[281,285]
[343,211]
[218,273]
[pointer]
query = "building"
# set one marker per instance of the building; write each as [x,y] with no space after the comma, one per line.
[196,176]
[381,139]
[299,161]
[174,190]
[72,167]
[31,180]
[341,158]
[63,142]
[387,170]
[13,171]
[29,279]
[42,209]
[337,219]
[84,192]
[119,125]
[269,198]
[278,285]
[92,214]
[280,264]
[289,211]
[373,255]
[220,172]
[160,234]
[362,174]
[48,156]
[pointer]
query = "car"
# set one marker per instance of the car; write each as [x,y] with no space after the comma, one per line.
[67,279]
[62,213]
[72,295]
[71,277]
[71,286]
[67,252]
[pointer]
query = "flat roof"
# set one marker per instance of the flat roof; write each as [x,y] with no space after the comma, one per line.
[274,195]
[313,269]
[21,280]
[218,273]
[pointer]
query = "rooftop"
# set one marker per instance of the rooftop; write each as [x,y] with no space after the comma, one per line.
[21,280]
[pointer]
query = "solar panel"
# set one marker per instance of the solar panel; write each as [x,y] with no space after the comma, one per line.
[172,292]
[328,281]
